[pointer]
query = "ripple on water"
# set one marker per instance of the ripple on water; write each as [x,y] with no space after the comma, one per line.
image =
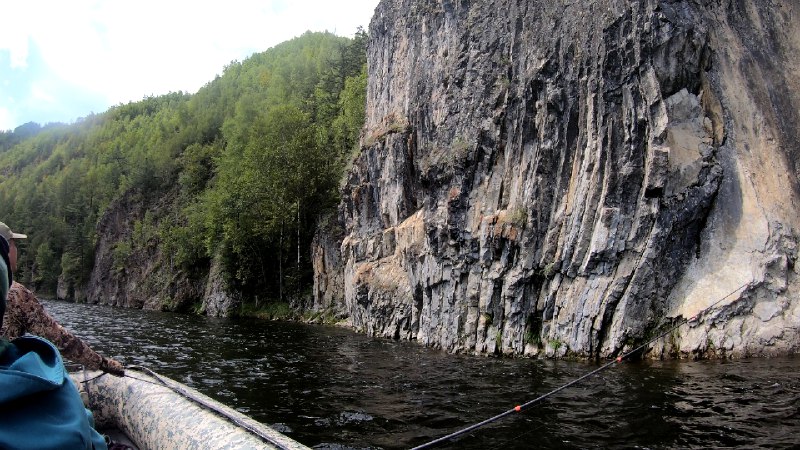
[336,389]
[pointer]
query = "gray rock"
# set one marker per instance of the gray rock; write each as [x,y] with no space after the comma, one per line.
[145,276]
[554,178]
[219,300]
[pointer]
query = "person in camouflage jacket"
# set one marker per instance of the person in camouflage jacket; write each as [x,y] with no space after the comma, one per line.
[40,407]
[24,314]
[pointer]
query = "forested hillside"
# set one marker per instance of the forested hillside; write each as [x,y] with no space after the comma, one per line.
[242,170]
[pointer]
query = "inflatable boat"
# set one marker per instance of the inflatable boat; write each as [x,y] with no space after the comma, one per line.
[148,411]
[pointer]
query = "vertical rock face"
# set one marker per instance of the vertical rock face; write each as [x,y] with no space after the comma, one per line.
[557,177]
[217,299]
[326,261]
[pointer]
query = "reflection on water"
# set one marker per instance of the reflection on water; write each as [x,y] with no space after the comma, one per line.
[328,387]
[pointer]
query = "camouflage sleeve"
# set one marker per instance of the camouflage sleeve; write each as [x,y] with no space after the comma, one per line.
[14,321]
[26,315]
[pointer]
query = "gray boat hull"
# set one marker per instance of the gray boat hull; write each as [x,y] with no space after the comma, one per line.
[156,412]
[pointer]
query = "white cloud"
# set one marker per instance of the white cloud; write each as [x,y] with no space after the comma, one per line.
[127,50]
[7,120]
[13,31]
[40,94]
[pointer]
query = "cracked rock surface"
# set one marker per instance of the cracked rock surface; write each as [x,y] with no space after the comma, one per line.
[551,178]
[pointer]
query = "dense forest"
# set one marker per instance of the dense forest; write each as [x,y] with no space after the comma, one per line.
[250,165]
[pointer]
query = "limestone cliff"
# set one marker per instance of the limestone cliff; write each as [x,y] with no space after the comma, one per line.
[559,177]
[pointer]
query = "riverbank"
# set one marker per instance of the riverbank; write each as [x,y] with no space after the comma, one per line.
[284,312]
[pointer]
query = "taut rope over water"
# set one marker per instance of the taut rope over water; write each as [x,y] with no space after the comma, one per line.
[617,360]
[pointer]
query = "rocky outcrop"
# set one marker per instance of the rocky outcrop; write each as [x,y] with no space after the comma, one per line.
[558,177]
[326,261]
[68,291]
[218,299]
[131,269]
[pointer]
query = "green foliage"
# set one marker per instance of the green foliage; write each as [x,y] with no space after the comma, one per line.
[144,231]
[448,159]
[392,124]
[246,165]
[347,126]
[532,338]
[269,311]
[518,216]
[120,255]
[549,270]
[326,316]
[197,167]
[46,267]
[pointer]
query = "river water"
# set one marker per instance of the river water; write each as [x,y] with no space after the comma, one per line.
[331,388]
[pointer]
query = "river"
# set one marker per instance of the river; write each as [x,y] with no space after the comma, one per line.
[332,388]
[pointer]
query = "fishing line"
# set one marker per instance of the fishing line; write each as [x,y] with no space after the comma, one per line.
[617,360]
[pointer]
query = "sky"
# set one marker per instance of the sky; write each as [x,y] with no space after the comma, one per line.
[61,60]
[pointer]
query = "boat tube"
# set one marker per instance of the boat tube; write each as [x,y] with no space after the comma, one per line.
[156,412]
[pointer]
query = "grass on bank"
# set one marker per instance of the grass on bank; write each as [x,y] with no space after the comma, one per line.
[283,311]
[269,311]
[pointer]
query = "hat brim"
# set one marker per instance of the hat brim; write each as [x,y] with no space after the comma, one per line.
[18,236]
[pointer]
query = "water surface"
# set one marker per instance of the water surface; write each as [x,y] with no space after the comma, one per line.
[328,387]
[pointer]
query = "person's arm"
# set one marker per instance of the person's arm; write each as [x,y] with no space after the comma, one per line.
[25,314]
[4,275]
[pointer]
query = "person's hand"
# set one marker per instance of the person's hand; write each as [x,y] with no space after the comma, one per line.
[113,367]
